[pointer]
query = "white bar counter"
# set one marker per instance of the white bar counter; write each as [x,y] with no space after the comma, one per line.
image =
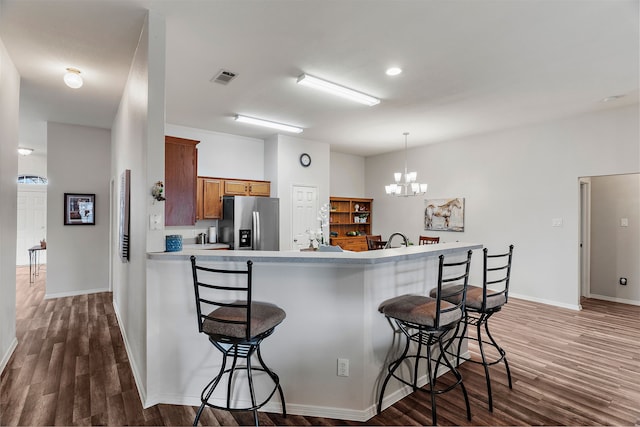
[331,301]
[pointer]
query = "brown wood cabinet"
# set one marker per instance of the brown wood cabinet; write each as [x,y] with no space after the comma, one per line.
[350,215]
[209,198]
[180,175]
[210,191]
[241,187]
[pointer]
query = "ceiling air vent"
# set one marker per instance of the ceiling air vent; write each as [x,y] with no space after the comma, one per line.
[223,77]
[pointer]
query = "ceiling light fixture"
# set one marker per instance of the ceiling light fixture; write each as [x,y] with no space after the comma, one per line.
[335,89]
[393,71]
[408,187]
[25,151]
[267,123]
[611,98]
[72,78]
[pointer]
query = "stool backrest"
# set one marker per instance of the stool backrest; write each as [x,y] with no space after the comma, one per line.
[372,241]
[497,273]
[426,240]
[453,278]
[223,288]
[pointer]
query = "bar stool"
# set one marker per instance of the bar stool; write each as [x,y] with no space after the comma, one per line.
[427,240]
[482,303]
[236,327]
[430,321]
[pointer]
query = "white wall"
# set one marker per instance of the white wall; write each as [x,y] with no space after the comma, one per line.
[286,172]
[77,255]
[514,183]
[138,144]
[224,155]
[33,164]
[615,250]
[9,102]
[347,175]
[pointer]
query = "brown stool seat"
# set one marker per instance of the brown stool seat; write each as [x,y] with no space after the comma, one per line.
[264,316]
[419,309]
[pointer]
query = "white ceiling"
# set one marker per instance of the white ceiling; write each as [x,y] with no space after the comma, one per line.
[470,66]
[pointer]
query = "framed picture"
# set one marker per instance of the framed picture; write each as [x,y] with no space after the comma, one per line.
[444,214]
[79,209]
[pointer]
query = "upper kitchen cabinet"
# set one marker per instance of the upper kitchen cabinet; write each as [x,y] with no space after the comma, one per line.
[238,187]
[180,175]
[209,198]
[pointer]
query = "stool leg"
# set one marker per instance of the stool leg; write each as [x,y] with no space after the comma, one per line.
[275,379]
[432,385]
[210,387]
[415,367]
[392,368]
[484,360]
[458,375]
[463,336]
[251,390]
[503,353]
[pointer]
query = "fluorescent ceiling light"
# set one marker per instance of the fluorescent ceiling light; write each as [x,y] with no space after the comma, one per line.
[267,123]
[72,78]
[25,151]
[344,92]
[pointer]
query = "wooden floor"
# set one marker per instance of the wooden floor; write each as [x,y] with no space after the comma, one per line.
[568,368]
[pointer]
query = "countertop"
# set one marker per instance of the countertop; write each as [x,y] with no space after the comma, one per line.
[366,257]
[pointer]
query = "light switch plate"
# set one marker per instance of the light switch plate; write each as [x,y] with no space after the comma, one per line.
[556,222]
[155,222]
[624,222]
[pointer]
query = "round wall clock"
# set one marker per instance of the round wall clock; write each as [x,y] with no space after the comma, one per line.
[305,159]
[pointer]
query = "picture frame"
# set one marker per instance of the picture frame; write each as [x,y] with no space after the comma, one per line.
[79,209]
[444,214]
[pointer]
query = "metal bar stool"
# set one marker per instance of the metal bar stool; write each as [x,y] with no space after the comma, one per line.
[430,321]
[236,327]
[482,303]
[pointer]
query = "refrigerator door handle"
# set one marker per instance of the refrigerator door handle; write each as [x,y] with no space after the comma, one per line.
[256,231]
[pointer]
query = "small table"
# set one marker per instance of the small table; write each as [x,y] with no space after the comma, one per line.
[34,262]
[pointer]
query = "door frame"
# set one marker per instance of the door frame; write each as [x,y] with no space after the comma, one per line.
[584,238]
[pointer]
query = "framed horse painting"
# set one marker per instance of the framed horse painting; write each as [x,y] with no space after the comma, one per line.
[444,214]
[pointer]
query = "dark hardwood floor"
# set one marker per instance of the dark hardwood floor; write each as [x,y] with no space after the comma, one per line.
[568,368]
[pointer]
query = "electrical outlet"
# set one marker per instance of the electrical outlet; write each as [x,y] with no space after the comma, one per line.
[343,367]
[623,281]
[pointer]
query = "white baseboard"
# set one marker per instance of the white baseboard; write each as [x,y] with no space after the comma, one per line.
[275,406]
[614,299]
[142,391]
[8,354]
[575,307]
[75,293]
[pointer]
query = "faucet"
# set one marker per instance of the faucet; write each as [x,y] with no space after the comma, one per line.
[406,241]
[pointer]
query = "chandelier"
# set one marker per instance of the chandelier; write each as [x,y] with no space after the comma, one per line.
[405,184]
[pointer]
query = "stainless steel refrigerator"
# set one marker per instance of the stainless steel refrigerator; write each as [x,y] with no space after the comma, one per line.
[250,223]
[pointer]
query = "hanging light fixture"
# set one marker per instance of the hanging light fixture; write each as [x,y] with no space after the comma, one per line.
[73,79]
[405,184]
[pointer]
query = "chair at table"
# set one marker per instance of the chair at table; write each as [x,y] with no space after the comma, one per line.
[482,303]
[430,321]
[236,326]
[426,240]
[375,242]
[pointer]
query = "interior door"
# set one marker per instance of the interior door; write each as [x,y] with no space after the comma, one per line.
[32,221]
[304,217]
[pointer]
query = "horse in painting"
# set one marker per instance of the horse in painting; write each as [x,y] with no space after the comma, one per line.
[442,211]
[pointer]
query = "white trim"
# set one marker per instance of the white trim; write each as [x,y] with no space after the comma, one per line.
[275,406]
[615,299]
[575,307]
[142,391]
[75,293]
[8,354]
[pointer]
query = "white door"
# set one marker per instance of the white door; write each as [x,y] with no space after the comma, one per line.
[304,217]
[32,221]
[585,237]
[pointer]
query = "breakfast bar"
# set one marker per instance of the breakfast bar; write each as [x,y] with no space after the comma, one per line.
[331,301]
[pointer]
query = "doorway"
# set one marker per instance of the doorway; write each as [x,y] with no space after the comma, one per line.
[32,221]
[304,216]
[585,237]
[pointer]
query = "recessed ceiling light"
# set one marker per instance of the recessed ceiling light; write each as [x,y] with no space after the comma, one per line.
[25,151]
[393,71]
[268,123]
[611,98]
[72,78]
